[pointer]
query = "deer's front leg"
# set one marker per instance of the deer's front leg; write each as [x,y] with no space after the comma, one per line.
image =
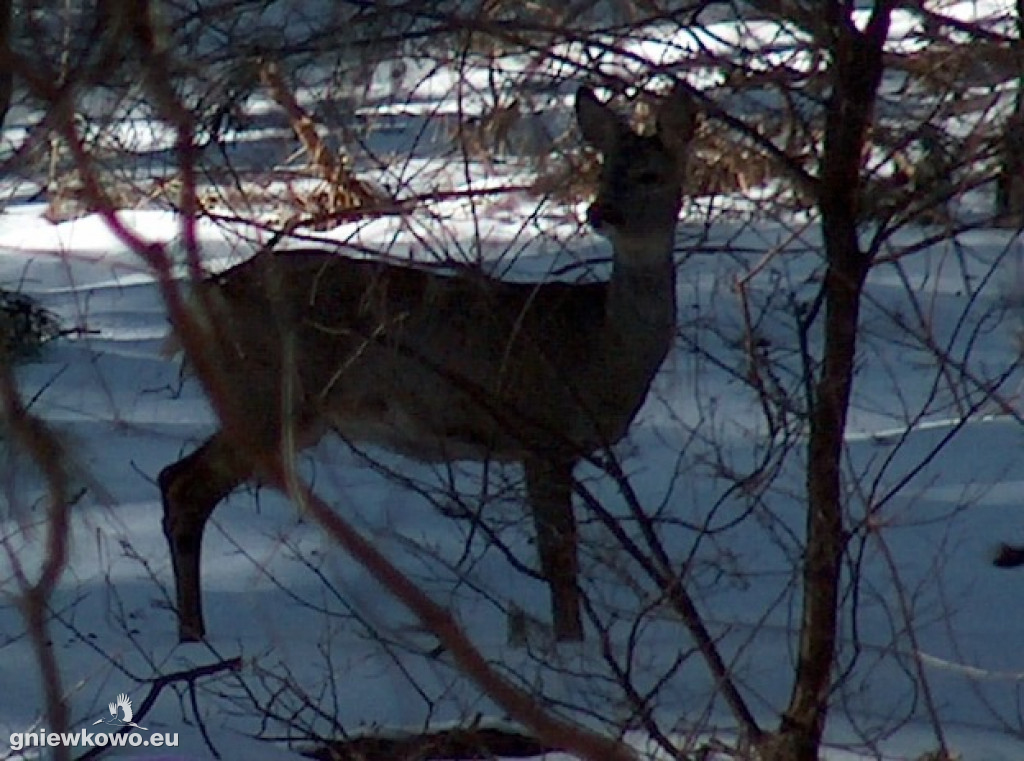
[549,484]
[191,490]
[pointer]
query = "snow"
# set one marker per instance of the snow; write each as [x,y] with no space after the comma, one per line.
[934,460]
[279,595]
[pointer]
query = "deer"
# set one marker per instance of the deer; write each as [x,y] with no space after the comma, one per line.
[443,368]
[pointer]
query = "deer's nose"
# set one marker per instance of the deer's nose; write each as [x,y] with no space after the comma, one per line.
[600,217]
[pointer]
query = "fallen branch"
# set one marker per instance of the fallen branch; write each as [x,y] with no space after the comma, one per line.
[157,684]
[455,744]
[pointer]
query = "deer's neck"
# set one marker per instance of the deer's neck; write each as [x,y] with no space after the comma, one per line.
[641,306]
[640,324]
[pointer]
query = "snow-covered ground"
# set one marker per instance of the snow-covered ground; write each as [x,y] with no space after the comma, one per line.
[293,607]
[935,467]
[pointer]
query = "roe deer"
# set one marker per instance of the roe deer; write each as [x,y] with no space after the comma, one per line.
[442,368]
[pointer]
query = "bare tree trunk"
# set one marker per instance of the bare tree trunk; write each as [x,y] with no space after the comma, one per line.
[856,74]
[1010,183]
[6,65]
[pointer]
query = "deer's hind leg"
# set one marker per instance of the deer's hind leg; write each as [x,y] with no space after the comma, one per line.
[549,486]
[191,489]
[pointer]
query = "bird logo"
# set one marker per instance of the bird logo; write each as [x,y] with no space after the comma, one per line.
[122,704]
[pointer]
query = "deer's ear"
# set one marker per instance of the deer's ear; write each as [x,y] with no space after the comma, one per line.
[677,119]
[599,124]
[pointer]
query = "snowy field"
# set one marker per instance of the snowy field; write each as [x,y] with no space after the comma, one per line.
[934,466]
